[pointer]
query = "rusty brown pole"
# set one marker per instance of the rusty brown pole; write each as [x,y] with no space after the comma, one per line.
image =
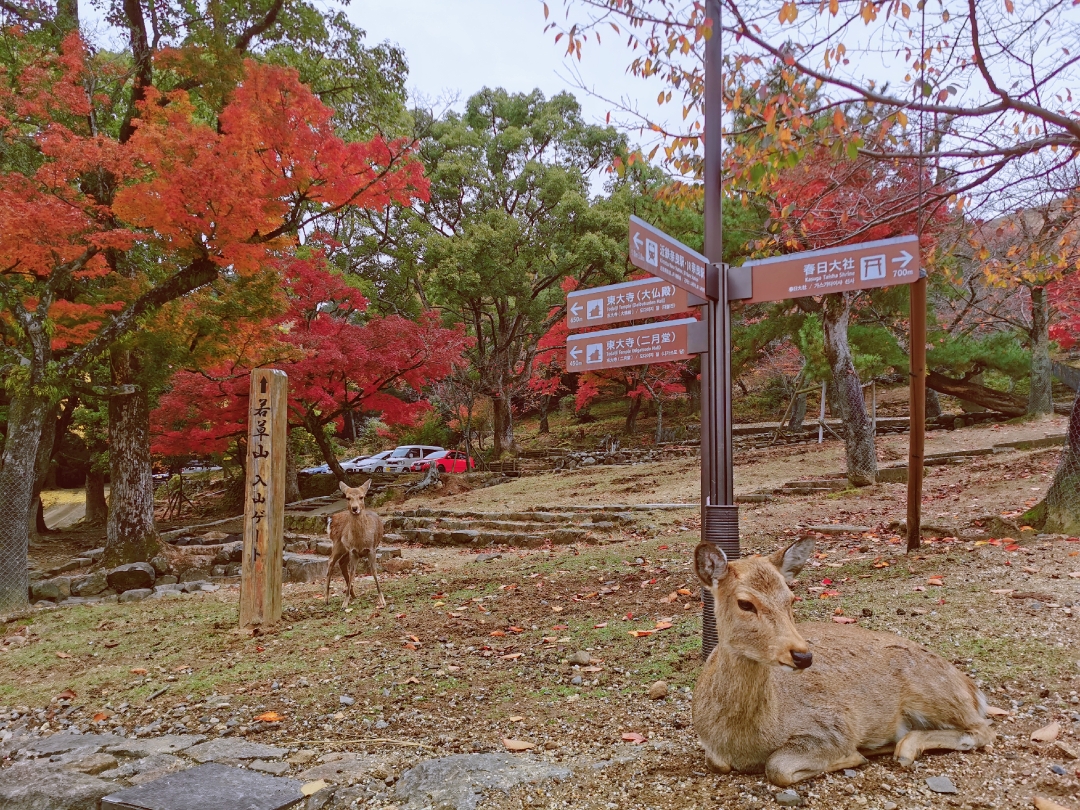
[917,408]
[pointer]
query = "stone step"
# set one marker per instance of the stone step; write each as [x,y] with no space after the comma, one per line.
[511,526]
[539,516]
[475,537]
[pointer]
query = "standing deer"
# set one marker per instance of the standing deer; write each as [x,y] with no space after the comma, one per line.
[796,701]
[354,533]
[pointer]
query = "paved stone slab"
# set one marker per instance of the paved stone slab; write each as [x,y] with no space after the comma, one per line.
[345,769]
[209,787]
[33,786]
[272,768]
[93,764]
[232,748]
[941,784]
[167,744]
[64,743]
[459,781]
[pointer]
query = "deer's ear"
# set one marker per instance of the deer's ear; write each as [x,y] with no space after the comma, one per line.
[343,487]
[791,560]
[710,564]
[364,489]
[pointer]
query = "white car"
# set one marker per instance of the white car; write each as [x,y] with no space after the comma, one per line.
[352,465]
[373,464]
[402,458]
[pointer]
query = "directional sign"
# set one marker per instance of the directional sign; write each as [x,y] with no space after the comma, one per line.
[661,342]
[630,301]
[842,269]
[657,253]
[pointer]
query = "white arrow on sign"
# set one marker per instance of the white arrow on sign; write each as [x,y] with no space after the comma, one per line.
[575,352]
[637,240]
[576,308]
[904,258]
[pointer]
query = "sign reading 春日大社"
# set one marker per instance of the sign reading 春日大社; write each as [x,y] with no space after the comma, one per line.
[841,269]
[629,301]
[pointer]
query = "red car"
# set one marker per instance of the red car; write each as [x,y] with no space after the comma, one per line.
[448,461]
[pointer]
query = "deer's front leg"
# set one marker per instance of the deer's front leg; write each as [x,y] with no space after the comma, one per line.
[794,763]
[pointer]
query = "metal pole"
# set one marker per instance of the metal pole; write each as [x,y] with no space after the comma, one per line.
[917,409]
[720,516]
[821,417]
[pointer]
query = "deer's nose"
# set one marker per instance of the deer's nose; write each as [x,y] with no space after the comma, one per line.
[802,659]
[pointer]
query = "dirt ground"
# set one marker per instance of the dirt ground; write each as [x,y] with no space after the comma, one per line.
[470,653]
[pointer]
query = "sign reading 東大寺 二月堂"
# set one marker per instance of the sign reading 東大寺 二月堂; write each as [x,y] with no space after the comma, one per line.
[629,301]
[662,342]
[861,266]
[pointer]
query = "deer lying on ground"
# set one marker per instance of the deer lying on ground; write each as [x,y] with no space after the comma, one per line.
[796,701]
[354,533]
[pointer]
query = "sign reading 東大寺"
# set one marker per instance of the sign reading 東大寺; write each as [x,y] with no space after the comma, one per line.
[662,342]
[657,253]
[629,301]
[842,269]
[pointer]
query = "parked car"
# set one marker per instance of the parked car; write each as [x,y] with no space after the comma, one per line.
[373,464]
[448,461]
[352,465]
[402,458]
[320,469]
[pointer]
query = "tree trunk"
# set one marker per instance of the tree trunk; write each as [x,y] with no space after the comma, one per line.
[933,404]
[545,404]
[312,425]
[26,417]
[798,414]
[858,430]
[97,509]
[692,383]
[292,483]
[989,398]
[132,535]
[504,426]
[1040,396]
[659,437]
[632,415]
[1059,512]
[42,463]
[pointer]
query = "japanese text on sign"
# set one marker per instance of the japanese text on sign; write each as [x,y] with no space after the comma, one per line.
[662,342]
[629,301]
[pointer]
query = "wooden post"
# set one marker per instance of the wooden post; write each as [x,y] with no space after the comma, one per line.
[264,500]
[917,409]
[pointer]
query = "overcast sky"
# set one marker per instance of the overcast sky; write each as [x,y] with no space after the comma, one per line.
[459,46]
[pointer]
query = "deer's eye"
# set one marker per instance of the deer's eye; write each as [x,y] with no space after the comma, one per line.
[747,606]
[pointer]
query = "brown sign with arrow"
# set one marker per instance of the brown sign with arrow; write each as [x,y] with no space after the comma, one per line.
[657,253]
[662,342]
[629,301]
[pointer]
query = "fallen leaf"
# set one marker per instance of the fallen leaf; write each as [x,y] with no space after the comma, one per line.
[634,737]
[100,716]
[561,627]
[1047,804]
[138,671]
[1002,591]
[641,633]
[111,643]
[843,620]
[498,633]
[663,625]
[671,597]
[548,639]
[994,711]
[685,592]
[400,615]
[414,639]
[592,669]
[413,679]
[517,745]
[918,588]
[409,645]
[556,608]
[513,629]
[1047,733]
[1013,547]
[600,626]
[63,655]
[517,718]
[1074,574]
[269,717]
[511,656]
[1027,569]
[313,787]
[67,694]
[938,581]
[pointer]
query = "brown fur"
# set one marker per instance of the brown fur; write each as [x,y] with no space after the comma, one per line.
[355,533]
[864,693]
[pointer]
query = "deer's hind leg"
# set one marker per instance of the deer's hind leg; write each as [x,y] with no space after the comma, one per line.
[912,745]
[373,558]
[334,557]
[794,763]
[345,563]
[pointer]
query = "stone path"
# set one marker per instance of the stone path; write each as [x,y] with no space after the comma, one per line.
[73,771]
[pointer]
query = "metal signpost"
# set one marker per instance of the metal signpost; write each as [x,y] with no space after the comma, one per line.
[686,279]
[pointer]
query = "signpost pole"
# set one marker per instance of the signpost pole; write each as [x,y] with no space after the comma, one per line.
[917,409]
[264,500]
[719,515]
